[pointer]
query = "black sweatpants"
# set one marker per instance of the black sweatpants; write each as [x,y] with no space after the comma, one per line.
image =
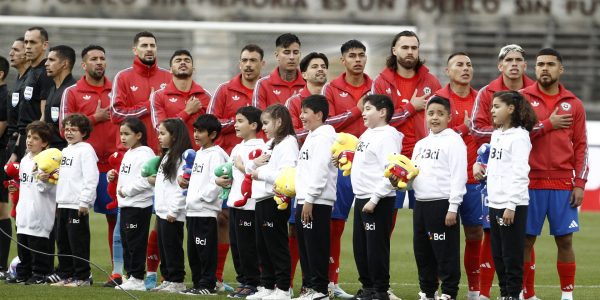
[507,249]
[73,238]
[33,263]
[242,239]
[5,240]
[313,245]
[170,246]
[135,223]
[436,247]
[202,251]
[272,245]
[371,244]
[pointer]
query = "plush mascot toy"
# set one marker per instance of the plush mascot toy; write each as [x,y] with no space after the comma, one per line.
[401,167]
[247,183]
[483,155]
[188,158]
[49,161]
[115,163]
[150,168]
[225,169]
[285,188]
[12,171]
[343,149]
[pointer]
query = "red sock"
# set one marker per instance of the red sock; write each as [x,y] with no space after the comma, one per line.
[393,222]
[486,266]
[337,229]
[529,277]
[112,222]
[566,273]
[471,262]
[152,253]
[293,244]
[223,249]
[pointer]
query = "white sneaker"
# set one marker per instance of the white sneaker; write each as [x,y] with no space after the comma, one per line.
[445,297]
[317,296]
[162,285]
[260,294]
[278,295]
[392,296]
[533,298]
[174,287]
[133,284]
[423,296]
[483,298]
[304,293]
[338,292]
[473,295]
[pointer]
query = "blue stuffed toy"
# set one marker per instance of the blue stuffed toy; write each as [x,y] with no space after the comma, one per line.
[188,158]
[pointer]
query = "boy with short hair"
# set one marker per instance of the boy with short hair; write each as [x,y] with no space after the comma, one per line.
[35,212]
[439,188]
[316,179]
[75,195]
[202,207]
[375,197]
[242,224]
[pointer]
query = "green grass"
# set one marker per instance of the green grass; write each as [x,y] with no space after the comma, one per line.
[403,268]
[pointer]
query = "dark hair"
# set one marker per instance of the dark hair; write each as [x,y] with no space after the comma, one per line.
[89,48]
[317,103]
[65,53]
[4,67]
[208,122]
[41,128]
[441,101]
[286,39]
[180,142]
[137,126]
[20,39]
[456,54]
[523,115]
[307,59]
[380,102]
[252,114]
[180,52]
[254,48]
[550,51]
[42,31]
[81,122]
[278,111]
[142,34]
[352,44]
[392,61]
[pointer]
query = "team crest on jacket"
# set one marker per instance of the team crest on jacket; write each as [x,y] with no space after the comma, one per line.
[86,97]
[133,88]
[426,90]
[535,103]
[343,94]
[163,85]
[565,106]
[388,91]
[276,92]
[173,99]
[235,97]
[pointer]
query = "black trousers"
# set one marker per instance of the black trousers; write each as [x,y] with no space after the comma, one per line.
[202,251]
[371,244]
[33,263]
[313,245]
[436,247]
[272,245]
[170,246]
[73,238]
[242,240]
[135,223]
[507,250]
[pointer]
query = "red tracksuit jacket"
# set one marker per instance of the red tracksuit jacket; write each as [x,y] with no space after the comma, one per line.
[562,153]
[272,89]
[83,98]
[344,116]
[170,103]
[481,119]
[131,95]
[408,121]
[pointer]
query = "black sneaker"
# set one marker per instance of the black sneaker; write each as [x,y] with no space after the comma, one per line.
[245,292]
[16,280]
[53,278]
[36,279]
[380,296]
[236,291]
[363,294]
[113,282]
[4,275]
[199,291]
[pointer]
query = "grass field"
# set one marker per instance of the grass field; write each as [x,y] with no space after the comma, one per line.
[403,268]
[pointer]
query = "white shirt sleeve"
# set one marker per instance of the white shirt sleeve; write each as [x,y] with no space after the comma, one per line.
[176,204]
[457,161]
[139,184]
[383,187]
[90,177]
[519,181]
[321,161]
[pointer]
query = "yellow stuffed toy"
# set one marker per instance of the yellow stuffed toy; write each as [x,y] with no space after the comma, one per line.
[401,167]
[285,188]
[49,161]
[343,149]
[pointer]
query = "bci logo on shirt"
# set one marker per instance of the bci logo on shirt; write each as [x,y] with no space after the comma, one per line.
[66,161]
[125,169]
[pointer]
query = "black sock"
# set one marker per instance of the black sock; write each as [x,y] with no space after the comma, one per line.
[6,226]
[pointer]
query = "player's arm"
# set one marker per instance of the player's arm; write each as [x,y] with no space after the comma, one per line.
[481,124]
[580,146]
[119,107]
[157,108]
[259,96]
